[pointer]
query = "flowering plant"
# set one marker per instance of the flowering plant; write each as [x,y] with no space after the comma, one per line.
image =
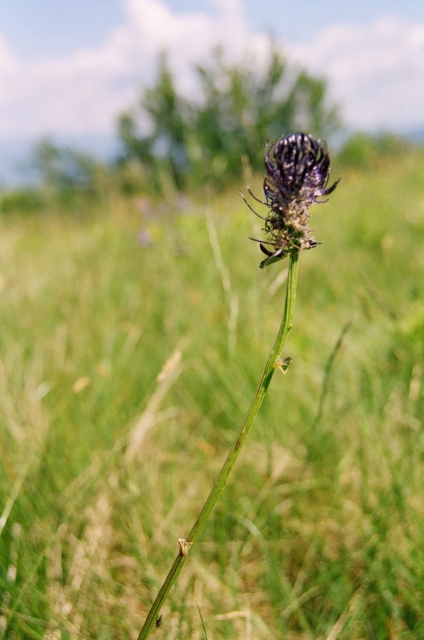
[297,173]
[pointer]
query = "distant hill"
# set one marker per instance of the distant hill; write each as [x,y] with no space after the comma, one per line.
[416,135]
[16,162]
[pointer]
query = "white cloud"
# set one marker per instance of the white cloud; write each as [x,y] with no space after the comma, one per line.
[375,71]
[84,92]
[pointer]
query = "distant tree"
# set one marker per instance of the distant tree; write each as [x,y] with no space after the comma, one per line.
[310,106]
[238,110]
[236,114]
[167,117]
[63,169]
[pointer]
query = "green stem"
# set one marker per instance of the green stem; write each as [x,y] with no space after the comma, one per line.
[271,365]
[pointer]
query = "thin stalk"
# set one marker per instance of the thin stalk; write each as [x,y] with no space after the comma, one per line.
[272,363]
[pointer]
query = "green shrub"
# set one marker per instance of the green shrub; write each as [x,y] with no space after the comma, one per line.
[363,150]
[26,200]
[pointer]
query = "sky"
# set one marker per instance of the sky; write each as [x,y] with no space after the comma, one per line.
[69,67]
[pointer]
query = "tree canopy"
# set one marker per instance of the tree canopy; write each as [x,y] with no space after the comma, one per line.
[238,109]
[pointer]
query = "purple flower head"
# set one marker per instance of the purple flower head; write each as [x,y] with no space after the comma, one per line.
[297,173]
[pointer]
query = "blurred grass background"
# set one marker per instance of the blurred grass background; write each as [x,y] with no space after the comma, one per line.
[107,455]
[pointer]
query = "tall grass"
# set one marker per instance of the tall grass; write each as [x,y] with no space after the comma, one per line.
[107,454]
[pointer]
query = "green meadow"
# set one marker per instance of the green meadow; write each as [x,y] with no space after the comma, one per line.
[132,338]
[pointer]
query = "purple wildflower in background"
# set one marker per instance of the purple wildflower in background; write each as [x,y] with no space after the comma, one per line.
[298,168]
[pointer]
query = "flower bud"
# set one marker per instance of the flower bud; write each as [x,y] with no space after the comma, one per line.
[297,172]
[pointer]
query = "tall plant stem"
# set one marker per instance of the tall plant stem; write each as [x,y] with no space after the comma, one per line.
[271,365]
